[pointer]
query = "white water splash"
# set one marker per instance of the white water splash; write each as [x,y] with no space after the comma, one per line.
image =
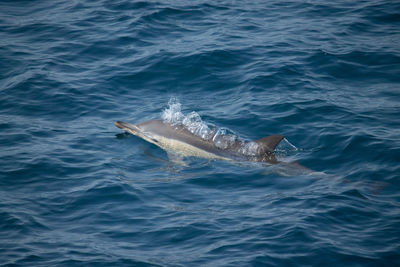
[193,122]
[286,147]
[249,148]
[195,125]
[173,114]
[223,138]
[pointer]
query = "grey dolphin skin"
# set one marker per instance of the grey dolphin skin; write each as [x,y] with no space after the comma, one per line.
[177,138]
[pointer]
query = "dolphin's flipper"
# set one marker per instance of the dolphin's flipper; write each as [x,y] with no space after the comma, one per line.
[269,143]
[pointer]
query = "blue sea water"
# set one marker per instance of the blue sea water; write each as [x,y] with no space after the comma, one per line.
[76,191]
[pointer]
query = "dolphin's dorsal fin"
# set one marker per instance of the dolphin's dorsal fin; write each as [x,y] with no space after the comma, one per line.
[269,143]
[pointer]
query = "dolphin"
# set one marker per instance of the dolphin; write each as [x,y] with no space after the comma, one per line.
[177,138]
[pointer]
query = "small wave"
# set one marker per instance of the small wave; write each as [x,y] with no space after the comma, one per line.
[286,148]
[222,138]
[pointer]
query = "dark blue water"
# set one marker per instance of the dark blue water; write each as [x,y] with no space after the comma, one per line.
[75,190]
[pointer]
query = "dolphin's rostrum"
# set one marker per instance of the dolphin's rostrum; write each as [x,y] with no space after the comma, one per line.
[178,138]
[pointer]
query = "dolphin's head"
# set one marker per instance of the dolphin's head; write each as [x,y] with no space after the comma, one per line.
[148,130]
[129,127]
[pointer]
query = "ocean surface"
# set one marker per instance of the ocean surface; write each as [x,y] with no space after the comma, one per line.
[77,191]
